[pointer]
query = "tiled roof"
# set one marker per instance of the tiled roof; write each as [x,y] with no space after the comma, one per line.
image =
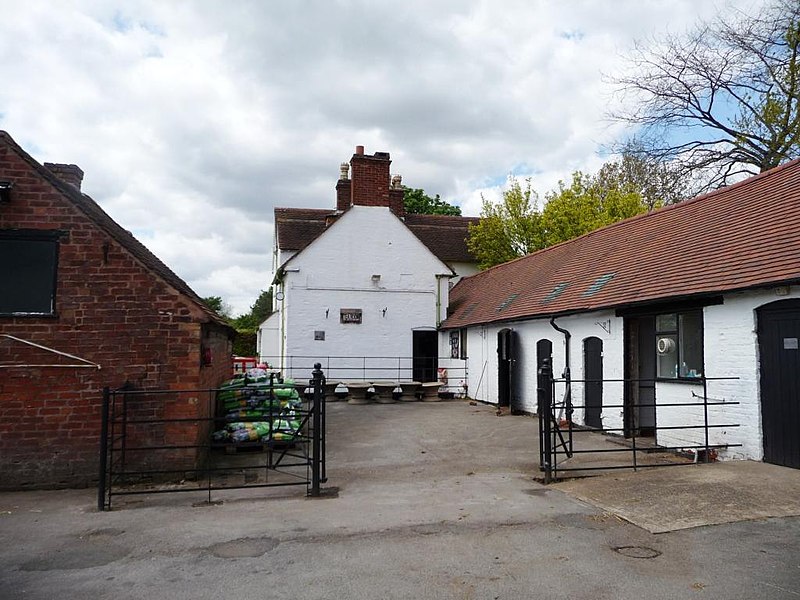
[445,236]
[93,211]
[744,236]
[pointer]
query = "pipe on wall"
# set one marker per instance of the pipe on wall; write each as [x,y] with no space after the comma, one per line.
[567,374]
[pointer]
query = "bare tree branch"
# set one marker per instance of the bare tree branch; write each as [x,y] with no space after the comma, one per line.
[736,80]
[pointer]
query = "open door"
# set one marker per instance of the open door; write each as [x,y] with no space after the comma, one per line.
[593,384]
[425,355]
[640,371]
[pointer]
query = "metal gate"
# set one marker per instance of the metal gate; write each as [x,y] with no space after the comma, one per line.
[567,449]
[163,441]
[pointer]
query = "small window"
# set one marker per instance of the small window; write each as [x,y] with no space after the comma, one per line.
[28,266]
[679,345]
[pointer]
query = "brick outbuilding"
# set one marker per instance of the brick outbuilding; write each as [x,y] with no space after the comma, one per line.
[84,305]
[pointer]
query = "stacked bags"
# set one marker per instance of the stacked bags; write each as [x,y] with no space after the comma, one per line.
[258,411]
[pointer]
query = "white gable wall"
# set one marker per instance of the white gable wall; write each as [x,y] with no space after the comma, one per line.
[337,271]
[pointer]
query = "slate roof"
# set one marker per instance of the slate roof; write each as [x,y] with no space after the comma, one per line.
[125,238]
[743,236]
[445,236]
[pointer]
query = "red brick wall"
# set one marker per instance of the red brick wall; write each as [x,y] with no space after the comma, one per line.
[370,179]
[111,310]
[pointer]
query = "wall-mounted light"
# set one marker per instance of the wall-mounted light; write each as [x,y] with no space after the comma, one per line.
[376,278]
[5,190]
[383,312]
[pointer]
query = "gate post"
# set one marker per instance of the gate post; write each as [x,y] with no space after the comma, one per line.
[544,392]
[101,480]
[318,384]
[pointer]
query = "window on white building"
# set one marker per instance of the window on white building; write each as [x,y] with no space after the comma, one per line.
[679,345]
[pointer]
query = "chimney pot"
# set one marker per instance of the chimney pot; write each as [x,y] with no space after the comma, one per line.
[359,150]
[344,169]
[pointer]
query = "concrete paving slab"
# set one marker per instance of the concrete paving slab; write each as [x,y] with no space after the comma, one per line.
[661,500]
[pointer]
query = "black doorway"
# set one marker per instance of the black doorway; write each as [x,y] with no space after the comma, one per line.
[593,384]
[505,366]
[425,355]
[778,340]
[640,373]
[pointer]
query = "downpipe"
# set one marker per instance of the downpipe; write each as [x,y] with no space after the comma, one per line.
[567,376]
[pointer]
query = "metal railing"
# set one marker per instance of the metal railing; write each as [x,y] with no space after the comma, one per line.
[567,448]
[163,441]
[451,372]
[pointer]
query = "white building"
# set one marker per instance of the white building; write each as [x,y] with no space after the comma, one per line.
[672,300]
[362,288]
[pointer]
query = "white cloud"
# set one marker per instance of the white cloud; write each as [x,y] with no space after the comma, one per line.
[193,120]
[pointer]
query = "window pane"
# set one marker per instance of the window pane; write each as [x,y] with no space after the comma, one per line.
[667,356]
[27,276]
[667,322]
[691,344]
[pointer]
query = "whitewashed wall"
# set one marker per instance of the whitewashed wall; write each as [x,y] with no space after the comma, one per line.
[336,271]
[482,362]
[730,350]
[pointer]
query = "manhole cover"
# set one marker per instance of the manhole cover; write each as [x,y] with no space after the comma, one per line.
[637,551]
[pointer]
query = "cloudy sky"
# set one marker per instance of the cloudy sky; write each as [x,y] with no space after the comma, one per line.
[193,119]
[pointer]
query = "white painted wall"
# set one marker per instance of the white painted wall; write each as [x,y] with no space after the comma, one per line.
[336,271]
[730,350]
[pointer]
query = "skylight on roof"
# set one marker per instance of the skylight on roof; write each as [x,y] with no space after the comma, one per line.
[598,284]
[557,291]
[505,303]
[469,310]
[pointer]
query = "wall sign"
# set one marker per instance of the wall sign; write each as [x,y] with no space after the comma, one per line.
[790,344]
[350,315]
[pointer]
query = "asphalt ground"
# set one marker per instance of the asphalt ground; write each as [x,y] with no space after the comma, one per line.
[435,500]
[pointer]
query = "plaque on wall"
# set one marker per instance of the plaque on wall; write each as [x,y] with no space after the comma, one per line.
[350,315]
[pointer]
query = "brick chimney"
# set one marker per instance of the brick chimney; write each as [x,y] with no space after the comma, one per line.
[71,174]
[343,189]
[370,179]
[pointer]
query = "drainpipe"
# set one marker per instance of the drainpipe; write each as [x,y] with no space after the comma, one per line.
[566,375]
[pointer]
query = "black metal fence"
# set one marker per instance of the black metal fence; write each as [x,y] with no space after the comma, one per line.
[168,441]
[450,372]
[570,449]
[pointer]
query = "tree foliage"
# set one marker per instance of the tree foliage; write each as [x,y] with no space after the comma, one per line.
[246,325]
[419,203]
[508,229]
[216,304]
[516,226]
[721,100]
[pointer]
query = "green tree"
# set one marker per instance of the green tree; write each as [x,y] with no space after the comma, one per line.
[417,202]
[722,100]
[515,226]
[586,205]
[216,304]
[258,313]
[509,229]
[246,325]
